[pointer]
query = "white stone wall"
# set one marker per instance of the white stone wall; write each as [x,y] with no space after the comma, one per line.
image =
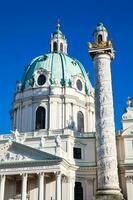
[129,185]
[60,109]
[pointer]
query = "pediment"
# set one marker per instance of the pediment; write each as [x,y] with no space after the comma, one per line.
[128,131]
[15,152]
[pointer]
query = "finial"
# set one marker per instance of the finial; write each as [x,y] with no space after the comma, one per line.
[58,24]
[100,27]
[58,43]
[100,24]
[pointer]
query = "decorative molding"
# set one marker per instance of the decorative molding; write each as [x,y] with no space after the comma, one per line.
[129,179]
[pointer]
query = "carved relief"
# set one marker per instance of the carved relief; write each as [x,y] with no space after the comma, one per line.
[106,164]
[12,157]
[42,142]
[104,113]
[58,140]
[106,149]
[17,137]
[103,96]
[129,179]
[108,181]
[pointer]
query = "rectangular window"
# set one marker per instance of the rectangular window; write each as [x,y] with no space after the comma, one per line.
[77,153]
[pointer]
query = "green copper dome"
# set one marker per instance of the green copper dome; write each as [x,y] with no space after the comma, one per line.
[60,66]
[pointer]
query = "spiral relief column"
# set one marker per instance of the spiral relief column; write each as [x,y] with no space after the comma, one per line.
[101,52]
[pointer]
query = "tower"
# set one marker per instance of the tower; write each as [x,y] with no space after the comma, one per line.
[102,52]
[58,42]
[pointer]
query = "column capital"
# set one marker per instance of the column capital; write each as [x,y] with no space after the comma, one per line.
[129,179]
[71,178]
[89,180]
[23,174]
[2,175]
[40,173]
[64,179]
[57,173]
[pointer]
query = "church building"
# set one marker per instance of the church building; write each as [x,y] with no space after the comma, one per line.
[50,153]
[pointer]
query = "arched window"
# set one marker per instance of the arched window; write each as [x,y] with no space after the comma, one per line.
[14,119]
[100,38]
[80,121]
[61,47]
[41,80]
[40,118]
[55,47]
[78,191]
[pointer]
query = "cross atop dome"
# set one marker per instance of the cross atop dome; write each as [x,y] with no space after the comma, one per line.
[58,24]
[58,42]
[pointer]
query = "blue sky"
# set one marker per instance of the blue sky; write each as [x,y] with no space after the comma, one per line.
[25,27]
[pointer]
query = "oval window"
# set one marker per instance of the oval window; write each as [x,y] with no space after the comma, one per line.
[41,79]
[79,84]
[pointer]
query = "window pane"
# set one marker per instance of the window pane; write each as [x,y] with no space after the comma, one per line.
[41,79]
[100,38]
[55,48]
[40,118]
[79,85]
[61,47]
[77,153]
[18,186]
[78,191]
[80,121]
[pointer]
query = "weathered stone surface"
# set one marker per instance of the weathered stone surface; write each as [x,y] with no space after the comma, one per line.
[109,197]
[106,146]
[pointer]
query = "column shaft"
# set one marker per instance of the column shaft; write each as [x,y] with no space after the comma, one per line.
[2,186]
[129,184]
[58,186]
[102,53]
[41,187]
[24,187]
[71,185]
[106,144]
